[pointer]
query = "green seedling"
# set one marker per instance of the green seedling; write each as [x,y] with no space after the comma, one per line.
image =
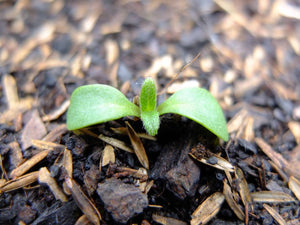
[98,103]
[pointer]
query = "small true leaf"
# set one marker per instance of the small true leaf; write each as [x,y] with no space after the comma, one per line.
[148,96]
[98,103]
[199,105]
[150,122]
[149,114]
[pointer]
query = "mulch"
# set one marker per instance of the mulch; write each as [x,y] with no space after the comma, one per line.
[246,53]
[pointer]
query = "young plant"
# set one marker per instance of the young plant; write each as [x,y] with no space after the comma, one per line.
[98,103]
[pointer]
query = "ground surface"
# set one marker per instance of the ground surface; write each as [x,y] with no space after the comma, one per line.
[249,60]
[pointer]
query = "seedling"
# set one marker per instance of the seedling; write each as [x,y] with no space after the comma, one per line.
[98,103]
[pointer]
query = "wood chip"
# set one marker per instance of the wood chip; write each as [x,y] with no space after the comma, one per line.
[34,129]
[46,145]
[42,35]
[271,196]
[68,162]
[27,165]
[243,187]
[88,23]
[15,155]
[292,167]
[275,214]
[123,131]
[176,86]
[232,203]
[11,114]
[295,129]
[108,155]
[138,146]
[56,133]
[20,182]
[165,62]
[45,177]
[141,173]
[208,209]
[167,220]
[57,112]
[115,142]
[10,91]
[288,10]
[83,202]
[294,186]
[201,154]
[83,220]
[235,123]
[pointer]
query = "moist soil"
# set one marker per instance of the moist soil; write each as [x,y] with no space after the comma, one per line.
[246,53]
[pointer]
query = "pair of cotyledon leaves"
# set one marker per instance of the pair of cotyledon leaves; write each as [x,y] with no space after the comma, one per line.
[98,103]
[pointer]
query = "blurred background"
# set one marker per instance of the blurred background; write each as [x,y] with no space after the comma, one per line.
[248,50]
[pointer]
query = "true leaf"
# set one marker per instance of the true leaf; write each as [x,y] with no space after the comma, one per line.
[98,103]
[149,114]
[150,122]
[148,96]
[199,105]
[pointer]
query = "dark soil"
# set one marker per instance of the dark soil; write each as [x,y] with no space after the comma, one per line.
[249,60]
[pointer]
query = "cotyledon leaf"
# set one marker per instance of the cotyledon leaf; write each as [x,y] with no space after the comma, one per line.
[199,105]
[98,103]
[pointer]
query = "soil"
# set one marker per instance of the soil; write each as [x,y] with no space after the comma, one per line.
[246,53]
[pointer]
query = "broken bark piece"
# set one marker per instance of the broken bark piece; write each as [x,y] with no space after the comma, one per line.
[123,201]
[91,178]
[183,179]
[175,167]
[66,213]
[34,129]
[45,177]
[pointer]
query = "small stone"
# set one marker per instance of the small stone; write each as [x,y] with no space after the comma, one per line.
[123,201]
